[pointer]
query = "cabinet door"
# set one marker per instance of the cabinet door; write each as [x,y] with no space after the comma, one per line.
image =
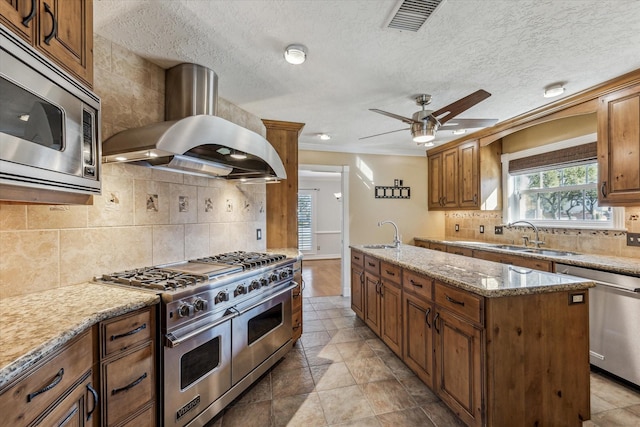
[450,178]
[65,34]
[391,305]
[435,181]
[458,366]
[296,309]
[77,409]
[619,147]
[372,301]
[468,178]
[357,291]
[19,16]
[418,337]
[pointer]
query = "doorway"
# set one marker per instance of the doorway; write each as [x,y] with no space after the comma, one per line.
[323,228]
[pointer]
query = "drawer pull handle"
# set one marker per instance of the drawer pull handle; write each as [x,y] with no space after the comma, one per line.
[297,326]
[131,332]
[31,14]
[416,284]
[451,300]
[54,30]
[426,317]
[390,273]
[95,401]
[435,324]
[371,264]
[54,383]
[356,257]
[130,386]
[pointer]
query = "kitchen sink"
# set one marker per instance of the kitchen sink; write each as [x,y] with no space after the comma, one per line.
[511,247]
[378,246]
[549,252]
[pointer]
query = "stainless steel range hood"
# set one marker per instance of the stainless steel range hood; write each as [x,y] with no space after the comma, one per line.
[193,139]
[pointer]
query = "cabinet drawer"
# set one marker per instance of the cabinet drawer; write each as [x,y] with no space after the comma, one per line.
[457,250]
[296,298]
[372,264]
[146,418]
[129,384]
[357,258]
[438,247]
[28,398]
[122,333]
[418,284]
[461,302]
[391,272]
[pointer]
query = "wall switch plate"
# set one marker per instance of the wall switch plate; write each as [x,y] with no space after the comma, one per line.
[482,229]
[457,227]
[498,229]
[633,239]
[258,233]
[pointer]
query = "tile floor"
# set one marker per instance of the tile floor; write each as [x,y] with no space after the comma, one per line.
[341,374]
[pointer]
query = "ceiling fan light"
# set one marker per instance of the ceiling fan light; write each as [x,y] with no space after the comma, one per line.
[424,132]
[423,138]
[295,54]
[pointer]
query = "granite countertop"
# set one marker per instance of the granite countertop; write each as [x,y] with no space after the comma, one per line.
[622,265]
[32,326]
[486,278]
[288,252]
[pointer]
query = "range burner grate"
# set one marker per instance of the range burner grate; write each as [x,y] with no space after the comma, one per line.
[246,260]
[155,278]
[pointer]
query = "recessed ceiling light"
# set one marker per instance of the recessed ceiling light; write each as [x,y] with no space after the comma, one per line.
[295,54]
[553,90]
[459,131]
[324,136]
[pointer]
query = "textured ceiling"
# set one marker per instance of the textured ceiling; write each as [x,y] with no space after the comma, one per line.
[512,49]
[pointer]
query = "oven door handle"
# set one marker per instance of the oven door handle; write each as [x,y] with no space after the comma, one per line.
[277,294]
[172,341]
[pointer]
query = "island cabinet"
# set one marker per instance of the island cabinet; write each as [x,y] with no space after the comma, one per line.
[372,298]
[62,30]
[619,147]
[58,391]
[128,369]
[296,301]
[391,306]
[357,283]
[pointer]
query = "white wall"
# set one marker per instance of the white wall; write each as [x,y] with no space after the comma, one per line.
[328,215]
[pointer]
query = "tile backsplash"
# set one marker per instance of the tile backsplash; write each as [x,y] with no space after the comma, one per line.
[601,242]
[144,216]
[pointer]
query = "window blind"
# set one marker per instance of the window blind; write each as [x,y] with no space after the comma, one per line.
[305,232]
[554,158]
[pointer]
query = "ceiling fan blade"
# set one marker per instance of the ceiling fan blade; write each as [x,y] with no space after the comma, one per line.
[394,116]
[460,105]
[468,124]
[384,133]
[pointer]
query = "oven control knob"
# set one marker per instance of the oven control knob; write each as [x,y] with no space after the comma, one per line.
[240,290]
[264,282]
[200,304]
[221,297]
[285,273]
[185,310]
[254,285]
[273,277]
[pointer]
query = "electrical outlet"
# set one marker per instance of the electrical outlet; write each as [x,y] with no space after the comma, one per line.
[481,229]
[457,227]
[633,239]
[258,233]
[498,229]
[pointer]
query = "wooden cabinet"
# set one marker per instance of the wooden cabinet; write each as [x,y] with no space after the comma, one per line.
[520,261]
[59,391]
[619,147]
[391,306]
[457,250]
[454,177]
[357,283]
[437,246]
[62,30]
[296,301]
[372,301]
[128,367]
[418,313]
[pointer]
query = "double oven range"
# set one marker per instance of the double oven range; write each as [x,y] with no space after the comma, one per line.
[225,320]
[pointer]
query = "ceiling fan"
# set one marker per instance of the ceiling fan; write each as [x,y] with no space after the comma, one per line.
[425,123]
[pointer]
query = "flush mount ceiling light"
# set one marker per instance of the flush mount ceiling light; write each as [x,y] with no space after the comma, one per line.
[295,54]
[459,131]
[429,144]
[553,90]
[324,136]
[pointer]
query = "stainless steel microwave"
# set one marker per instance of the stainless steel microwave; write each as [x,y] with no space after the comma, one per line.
[49,126]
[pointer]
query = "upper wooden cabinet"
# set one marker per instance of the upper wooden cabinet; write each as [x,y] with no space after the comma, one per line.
[454,179]
[60,29]
[619,147]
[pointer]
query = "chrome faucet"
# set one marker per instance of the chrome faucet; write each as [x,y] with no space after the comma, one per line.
[537,242]
[396,238]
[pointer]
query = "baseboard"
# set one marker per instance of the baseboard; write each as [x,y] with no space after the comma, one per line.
[318,257]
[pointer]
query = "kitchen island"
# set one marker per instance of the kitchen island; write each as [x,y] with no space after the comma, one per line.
[498,344]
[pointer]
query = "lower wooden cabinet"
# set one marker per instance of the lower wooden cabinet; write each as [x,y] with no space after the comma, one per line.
[75,409]
[296,301]
[128,367]
[372,301]
[418,351]
[391,315]
[357,291]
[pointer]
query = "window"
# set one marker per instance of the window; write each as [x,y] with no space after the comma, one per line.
[305,222]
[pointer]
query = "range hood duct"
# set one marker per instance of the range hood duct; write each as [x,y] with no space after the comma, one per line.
[193,139]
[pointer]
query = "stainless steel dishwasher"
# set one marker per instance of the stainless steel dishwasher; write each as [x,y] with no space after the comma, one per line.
[614,321]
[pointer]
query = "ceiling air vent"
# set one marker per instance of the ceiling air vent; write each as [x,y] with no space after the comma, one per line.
[411,14]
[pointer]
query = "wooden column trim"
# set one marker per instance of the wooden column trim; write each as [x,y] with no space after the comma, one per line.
[279,125]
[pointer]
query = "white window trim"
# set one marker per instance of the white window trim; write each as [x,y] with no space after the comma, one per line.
[507,186]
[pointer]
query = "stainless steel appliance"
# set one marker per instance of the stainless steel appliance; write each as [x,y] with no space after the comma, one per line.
[225,320]
[49,126]
[614,317]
